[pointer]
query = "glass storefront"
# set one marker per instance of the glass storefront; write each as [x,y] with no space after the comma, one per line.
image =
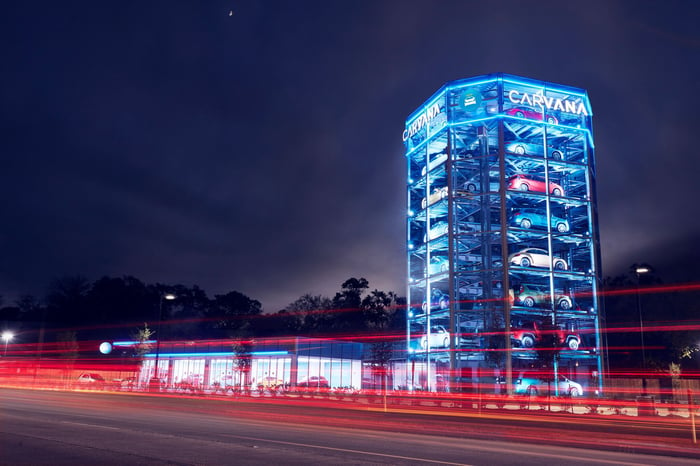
[271,363]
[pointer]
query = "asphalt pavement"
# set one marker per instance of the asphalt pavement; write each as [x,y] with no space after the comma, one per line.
[52,427]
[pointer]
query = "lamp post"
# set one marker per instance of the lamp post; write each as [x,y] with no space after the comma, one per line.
[168,297]
[7,336]
[639,270]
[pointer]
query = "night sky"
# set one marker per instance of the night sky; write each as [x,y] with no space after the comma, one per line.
[260,151]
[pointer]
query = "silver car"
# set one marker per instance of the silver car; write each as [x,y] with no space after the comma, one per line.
[438,264]
[474,185]
[534,385]
[535,149]
[437,230]
[441,158]
[536,257]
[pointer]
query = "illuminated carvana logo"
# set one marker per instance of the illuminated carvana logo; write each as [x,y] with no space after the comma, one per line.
[470,99]
[421,121]
[568,106]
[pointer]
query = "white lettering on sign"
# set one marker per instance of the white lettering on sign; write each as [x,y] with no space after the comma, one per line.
[421,121]
[565,105]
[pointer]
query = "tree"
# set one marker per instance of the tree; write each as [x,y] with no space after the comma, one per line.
[309,314]
[378,310]
[30,308]
[347,305]
[232,313]
[186,313]
[67,300]
[665,316]
[68,349]
[122,300]
[242,359]
[142,337]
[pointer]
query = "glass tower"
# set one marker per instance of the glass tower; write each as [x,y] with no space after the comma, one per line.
[502,237]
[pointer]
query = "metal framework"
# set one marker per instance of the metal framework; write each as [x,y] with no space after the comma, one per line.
[502,238]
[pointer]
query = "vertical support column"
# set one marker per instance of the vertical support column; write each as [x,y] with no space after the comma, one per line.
[452,228]
[169,368]
[504,249]
[207,370]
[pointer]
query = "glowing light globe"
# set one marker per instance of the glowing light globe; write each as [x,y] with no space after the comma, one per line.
[105,347]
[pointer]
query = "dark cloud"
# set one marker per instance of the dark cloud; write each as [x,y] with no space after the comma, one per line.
[261,151]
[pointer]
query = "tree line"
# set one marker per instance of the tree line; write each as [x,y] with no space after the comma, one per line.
[117,308]
[668,315]
[113,308]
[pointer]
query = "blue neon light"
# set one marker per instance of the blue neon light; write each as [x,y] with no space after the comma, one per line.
[472,84]
[476,120]
[132,343]
[219,353]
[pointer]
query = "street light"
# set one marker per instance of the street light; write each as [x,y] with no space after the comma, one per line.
[639,270]
[168,297]
[7,336]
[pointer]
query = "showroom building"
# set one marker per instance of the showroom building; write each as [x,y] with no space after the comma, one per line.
[266,362]
[502,236]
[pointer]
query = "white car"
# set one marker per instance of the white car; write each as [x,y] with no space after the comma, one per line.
[91,380]
[533,386]
[536,257]
[438,194]
[434,163]
[439,338]
[438,264]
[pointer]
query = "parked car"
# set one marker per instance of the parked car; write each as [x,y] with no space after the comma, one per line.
[530,334]
[129,383]
[533,385]
[530,295]
[471,337]
[438,264]
[270,382]
[473,184]
[523,112]
[533,218]
[440,159]
[436,230]
[315,381]
[437,195]
[536,257]
[439,300]
[439,338]
[535,149]
[533,183]
[474,148]
[91,380]
[441,228]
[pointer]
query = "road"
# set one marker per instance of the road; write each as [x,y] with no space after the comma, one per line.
[51,427]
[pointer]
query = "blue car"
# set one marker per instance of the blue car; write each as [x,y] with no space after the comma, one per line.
[439,300]
[534,218]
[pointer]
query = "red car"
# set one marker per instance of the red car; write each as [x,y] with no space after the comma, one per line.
[527,336]
[522,112]
[315,381]
[533,183]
